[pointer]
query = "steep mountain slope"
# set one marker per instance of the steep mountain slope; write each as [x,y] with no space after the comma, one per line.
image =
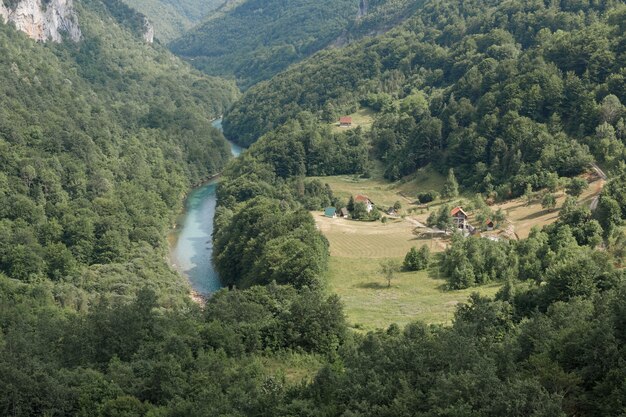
[252,39]
[505,92]
[257,38]
[171,18]
[99,140]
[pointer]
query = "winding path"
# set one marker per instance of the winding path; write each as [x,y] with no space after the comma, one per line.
[601,174]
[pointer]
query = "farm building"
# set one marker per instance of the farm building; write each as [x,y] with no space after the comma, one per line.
[330,212]
[365,200]
[345,121]
[344,213]
[459,218]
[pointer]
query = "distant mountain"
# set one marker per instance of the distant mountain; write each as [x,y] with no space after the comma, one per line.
[171,18]
[252,40]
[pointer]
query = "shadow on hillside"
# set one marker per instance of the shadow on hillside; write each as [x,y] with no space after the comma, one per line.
[372,285]
[538,214]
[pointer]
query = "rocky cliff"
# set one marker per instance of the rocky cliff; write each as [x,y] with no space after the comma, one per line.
[148,30]
[51,20]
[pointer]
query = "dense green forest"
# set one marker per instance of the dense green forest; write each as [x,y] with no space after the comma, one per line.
[99,141]
[98,144]
[253,40]
[172,18]
[505,93]
[258,38]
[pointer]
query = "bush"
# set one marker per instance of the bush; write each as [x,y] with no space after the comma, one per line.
[427,197]
[416,260]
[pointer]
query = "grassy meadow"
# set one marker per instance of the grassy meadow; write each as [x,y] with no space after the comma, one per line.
[370,304]
[357,248]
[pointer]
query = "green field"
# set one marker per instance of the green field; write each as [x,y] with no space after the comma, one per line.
[370,304]
[383,192]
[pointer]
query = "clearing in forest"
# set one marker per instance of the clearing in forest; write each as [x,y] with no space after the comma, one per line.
[370,304]
[357,249]
[363,118]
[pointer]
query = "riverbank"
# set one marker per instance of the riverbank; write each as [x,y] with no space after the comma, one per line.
[190,239]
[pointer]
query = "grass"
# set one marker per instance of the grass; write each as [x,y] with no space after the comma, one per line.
[381,191]
[353,239]
[522,217]
[369,304]
[357,248]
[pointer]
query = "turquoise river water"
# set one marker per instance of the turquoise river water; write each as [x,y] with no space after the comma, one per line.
[192,254]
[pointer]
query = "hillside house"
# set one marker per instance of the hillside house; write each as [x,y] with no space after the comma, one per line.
[330,212]
[369,206]
[459,218]
[345,121]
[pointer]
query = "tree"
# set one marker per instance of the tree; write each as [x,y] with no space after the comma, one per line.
[548,201]
[359,212]
[529,196]
[451,186]
[350,205]
[608,214]
[576,186]
[416,260]
[389,268]
[499,217]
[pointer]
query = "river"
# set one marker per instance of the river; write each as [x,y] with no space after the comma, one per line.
[192,253]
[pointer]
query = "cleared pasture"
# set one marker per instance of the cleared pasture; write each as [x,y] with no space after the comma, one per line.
[370,304]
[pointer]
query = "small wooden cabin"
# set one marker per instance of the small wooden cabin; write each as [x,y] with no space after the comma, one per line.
[345,121]
[330,212]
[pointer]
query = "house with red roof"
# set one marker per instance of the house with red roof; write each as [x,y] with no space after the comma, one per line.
[365,200]
[459,218]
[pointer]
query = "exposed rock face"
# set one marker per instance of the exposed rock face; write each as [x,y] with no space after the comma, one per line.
[54,20]
[148,31]
[363,6]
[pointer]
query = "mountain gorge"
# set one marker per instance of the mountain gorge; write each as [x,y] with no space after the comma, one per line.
[480,108]
[253,40]
[95,131]
[171,19]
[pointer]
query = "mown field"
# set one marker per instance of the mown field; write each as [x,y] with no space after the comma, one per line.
[352,239]
[382,192]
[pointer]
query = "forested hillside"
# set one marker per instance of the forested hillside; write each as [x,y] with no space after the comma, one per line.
[253,40]
[257,39]
[502,92]
[99,140]
[172,18]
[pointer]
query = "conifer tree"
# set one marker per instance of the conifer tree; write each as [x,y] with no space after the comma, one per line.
[451,187]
